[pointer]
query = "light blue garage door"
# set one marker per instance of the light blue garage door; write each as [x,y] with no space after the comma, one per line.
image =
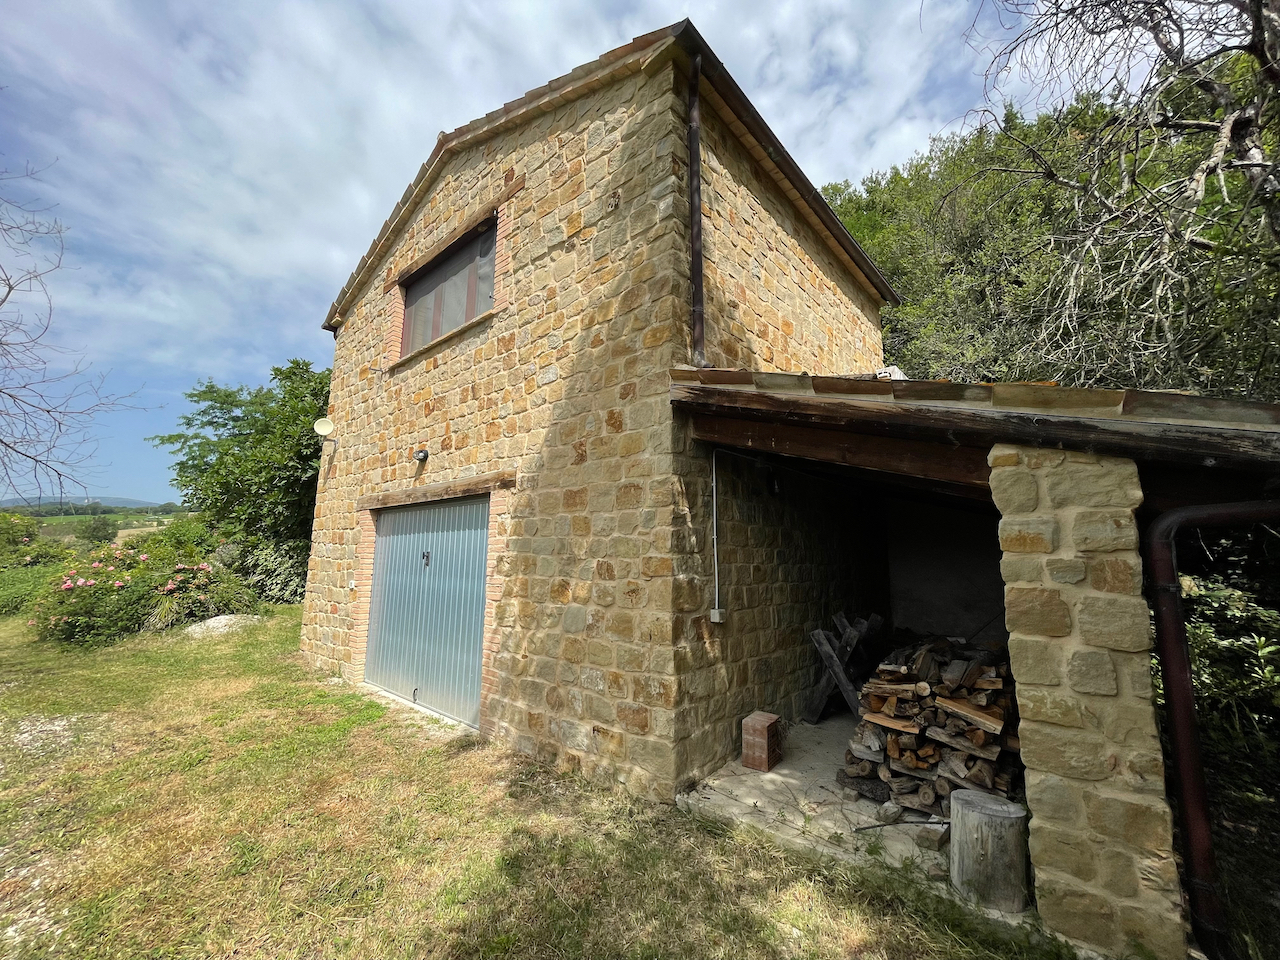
[426,615]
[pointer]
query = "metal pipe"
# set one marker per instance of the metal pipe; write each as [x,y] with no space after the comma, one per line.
[1208,917]
[715,529]
[697,312]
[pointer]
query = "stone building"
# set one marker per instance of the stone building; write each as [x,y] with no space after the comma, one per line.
[514,323]
[521,522]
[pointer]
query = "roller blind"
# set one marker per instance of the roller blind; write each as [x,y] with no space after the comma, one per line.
[455,289]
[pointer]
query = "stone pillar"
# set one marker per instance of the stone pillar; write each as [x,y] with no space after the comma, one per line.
[1079,645]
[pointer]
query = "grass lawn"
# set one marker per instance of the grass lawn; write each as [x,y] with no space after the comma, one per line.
[178,798]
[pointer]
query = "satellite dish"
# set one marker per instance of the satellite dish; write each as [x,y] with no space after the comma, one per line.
[323,426]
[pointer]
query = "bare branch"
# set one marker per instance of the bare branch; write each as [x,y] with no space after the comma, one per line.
[46,415]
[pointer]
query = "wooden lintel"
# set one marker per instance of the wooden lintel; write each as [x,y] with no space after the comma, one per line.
[448,490]
[966,466]
[487,213]
[1212,445]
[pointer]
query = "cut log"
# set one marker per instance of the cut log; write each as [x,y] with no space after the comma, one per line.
[990,719]
[880,688]
[963,783]
[978,737]
[913,801]
[953,674]
[942,786]
[919,773]
[990,752]
[884,773]
[862,768]
[983,772]
[893,723]
[867,787]
[890,706]
[989,851]
[989,683]
[973,674]
[893,748]
[900,785]
[861,751]
[926,793]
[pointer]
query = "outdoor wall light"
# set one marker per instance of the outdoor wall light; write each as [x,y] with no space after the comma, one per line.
[323,427]
[421,455]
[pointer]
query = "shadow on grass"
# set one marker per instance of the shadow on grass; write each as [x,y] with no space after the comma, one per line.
[588,873]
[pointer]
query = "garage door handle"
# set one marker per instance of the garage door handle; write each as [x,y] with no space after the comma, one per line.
[426,558]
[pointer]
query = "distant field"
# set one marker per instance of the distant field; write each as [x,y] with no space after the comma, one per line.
[62,526]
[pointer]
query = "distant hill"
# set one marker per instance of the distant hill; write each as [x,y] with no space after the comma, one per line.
[105,501]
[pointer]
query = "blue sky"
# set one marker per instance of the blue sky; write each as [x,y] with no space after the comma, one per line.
[220,168]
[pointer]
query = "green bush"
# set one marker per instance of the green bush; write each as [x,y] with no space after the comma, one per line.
[277,572]
[20,585]
[99,529]
[1235,656]
[159,583]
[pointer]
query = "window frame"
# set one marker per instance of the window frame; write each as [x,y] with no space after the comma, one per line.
[468,233]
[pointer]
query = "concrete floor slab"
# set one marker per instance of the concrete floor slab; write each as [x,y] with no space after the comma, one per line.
[800,804]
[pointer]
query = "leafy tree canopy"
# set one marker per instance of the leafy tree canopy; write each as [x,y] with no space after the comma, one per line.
[248,457]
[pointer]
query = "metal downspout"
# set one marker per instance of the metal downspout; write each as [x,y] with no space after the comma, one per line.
[697,312]
[1208,917]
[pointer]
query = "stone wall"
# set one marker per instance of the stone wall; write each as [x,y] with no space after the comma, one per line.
[788,561]
[1080,648]
[777,297]
[566,384]
[598,649]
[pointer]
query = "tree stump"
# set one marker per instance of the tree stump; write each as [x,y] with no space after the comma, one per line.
[989,850]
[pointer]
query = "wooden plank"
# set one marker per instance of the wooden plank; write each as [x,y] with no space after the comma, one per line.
[1042,396]
[859,387]
[895,723]
[1177,406]
[982,426]
[835,667]
[467,487]
[940,390]
[990,719]
[990,752]
[965,466]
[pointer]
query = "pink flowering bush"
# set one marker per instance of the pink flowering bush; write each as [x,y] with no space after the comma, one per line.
[120,589]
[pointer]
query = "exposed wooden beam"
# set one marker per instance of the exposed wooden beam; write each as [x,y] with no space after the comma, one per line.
[1218,446]
[963,466]
[447,490]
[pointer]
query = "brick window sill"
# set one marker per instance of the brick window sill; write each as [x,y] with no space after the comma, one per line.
[440,341]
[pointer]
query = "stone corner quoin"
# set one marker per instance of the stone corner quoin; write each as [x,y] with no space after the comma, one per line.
[1080,647]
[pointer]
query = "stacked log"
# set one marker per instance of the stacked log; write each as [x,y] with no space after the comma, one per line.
[937,716]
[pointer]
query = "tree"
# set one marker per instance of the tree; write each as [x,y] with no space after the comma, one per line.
[45,415]
[101,529]
[968,250]
[1168,230]
[249,459]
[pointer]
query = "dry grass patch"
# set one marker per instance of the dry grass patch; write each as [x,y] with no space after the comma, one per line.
[216,800]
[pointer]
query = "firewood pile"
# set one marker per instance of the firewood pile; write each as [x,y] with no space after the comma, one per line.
[938,716]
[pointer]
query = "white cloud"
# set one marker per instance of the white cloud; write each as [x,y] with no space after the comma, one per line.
[222,167]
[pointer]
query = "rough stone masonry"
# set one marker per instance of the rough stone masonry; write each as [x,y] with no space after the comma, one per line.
[1080,651]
